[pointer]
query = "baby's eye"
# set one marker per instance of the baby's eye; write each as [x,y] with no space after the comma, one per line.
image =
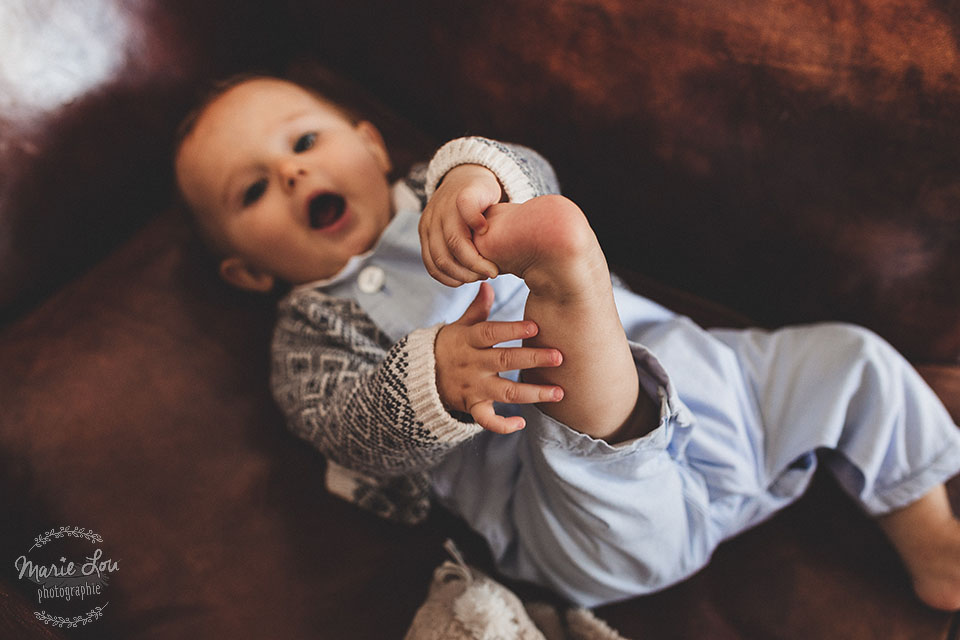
[304,142]
[254,192]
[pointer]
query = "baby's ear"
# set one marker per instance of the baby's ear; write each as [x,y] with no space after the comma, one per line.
[237,272]
[375,143]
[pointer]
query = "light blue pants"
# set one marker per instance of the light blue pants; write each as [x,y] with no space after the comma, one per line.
[743,414]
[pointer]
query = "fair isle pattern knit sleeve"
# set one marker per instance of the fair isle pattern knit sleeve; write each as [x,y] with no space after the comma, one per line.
[372,409]
[523,173]
[416,180]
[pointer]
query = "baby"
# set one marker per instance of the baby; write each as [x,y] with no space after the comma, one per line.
[631,442]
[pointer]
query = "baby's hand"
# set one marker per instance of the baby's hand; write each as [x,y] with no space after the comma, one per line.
[468,365]
[455,210]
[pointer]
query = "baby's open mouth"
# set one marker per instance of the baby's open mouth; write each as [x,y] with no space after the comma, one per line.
[325,209]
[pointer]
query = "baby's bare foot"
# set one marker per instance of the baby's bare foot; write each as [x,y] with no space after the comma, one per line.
[927,536]
[936,571]
[548,242]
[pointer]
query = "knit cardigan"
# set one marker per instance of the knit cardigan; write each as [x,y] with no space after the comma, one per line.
[370,406]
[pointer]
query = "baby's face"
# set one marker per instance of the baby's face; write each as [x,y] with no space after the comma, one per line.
[285,182]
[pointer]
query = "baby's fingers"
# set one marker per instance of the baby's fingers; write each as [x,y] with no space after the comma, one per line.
[514,358]
[428,259]
[487,418]
[472,201]
[461,245]
[437,264]
[510,392]
[446,263]
[487,334]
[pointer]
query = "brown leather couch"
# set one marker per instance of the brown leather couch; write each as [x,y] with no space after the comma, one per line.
[790,161]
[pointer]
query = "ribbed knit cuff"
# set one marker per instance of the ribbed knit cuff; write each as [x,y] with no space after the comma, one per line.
[422,387]
[487,153]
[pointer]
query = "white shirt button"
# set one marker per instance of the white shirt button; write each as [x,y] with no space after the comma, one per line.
[371,279]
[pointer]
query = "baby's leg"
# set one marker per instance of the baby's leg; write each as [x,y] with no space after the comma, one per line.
[840,387]
[927,536]
[548,242]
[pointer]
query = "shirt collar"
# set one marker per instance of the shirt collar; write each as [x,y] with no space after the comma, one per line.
[402,198]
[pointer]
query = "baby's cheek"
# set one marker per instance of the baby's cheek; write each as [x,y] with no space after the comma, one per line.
[264,236]
[262,229]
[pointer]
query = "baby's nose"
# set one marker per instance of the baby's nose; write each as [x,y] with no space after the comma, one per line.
[293,176]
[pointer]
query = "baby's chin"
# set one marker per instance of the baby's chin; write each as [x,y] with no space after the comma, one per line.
[371,233]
